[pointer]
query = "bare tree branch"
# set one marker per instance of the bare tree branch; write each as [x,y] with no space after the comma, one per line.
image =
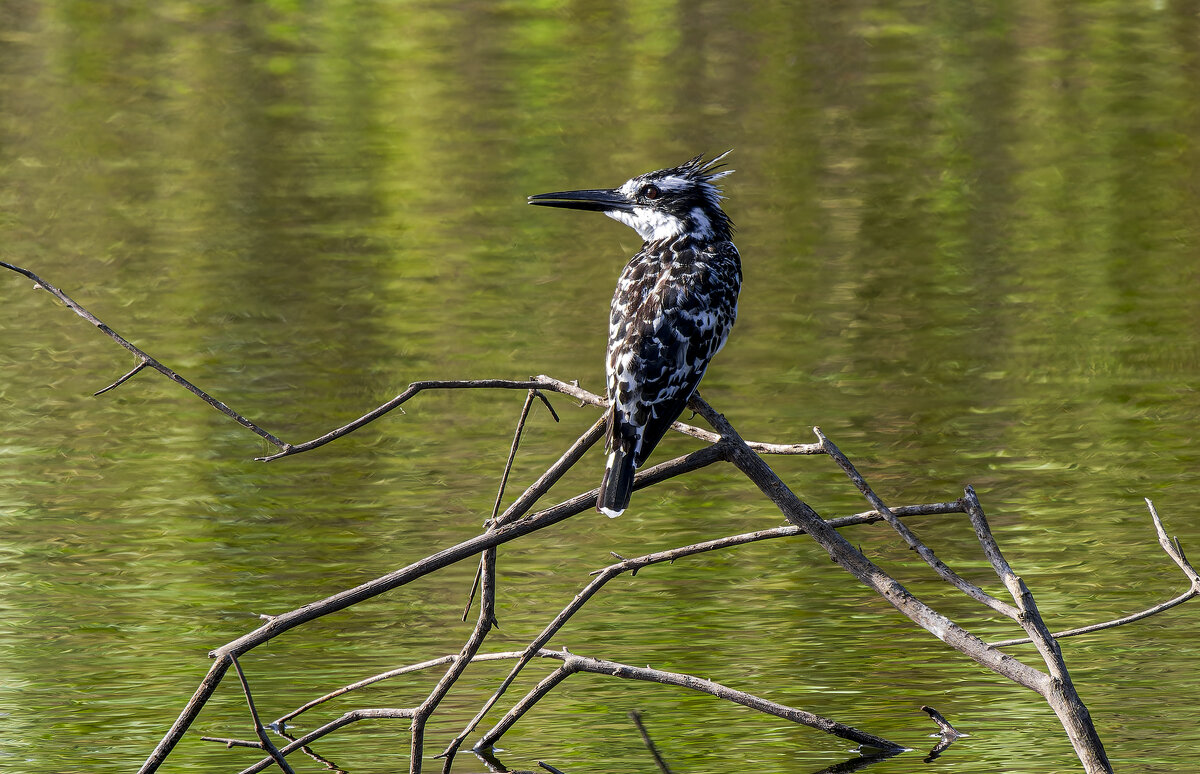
[512,455]
[487,617]
[1059,691]
[636,717]
[267,744]
[632,566]
[436,561]
[353,716]
[382,676]
[144,359]
[924,551]
[944,727]
[573,664]
[853,561]
[1172,549]
[414,389]
[1054,685]
[947,734]
[540,383]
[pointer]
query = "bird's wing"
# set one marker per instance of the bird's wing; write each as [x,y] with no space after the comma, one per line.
[670,325]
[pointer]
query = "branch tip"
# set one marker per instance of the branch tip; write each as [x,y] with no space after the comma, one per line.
[126,377]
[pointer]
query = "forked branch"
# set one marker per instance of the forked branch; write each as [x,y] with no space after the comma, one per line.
[725,444]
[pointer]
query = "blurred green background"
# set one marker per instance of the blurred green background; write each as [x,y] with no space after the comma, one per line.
[970,239]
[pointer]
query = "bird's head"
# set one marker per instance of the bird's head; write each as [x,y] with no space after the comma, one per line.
[659,205]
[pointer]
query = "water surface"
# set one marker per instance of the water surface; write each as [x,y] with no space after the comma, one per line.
[970,246]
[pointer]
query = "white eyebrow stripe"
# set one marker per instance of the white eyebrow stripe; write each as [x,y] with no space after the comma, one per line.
[672,183]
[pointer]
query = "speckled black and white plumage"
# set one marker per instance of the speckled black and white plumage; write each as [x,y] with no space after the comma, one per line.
[673,308]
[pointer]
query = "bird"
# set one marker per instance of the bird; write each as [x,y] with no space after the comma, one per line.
[672,310]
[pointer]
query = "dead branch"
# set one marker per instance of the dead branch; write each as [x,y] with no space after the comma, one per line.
[484,624]
[947,734]
[636,717]
[353,716]
[1058,691]
[853,561]
[574,664]
[924,551]
[144,360]
[265,740]
[1054,684]
[1175,552]
[1055,687]
[340,601]
[282,721]
[538,384]
[944,727]
[634,564]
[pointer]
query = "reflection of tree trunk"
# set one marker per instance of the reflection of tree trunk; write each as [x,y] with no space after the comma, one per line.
[1054,685]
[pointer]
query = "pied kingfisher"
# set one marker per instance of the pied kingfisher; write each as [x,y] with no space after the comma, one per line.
[674,305]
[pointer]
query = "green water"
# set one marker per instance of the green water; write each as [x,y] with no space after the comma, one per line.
[970,239]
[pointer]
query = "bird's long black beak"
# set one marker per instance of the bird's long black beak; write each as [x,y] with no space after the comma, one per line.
[602,200]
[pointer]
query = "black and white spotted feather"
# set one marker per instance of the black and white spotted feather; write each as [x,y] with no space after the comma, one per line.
[672,311]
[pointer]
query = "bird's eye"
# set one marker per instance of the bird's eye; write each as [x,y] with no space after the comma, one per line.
[650,192]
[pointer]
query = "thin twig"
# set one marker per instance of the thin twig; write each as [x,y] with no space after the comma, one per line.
[231,743]
[573,664]
[636,717]
[124,378]
[512,451]
[508,464]
[412,391]
[486,619]
[353,716]
[1098,627]
[539,383]
[521,506]
[1172,549]
[436,561]
[924,551]
[549,406]
[267,744]
[382,676]
[144,359]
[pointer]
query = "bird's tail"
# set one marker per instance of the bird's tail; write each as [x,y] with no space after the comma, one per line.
[617,485]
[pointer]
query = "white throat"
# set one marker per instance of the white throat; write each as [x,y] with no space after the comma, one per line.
[653,225]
